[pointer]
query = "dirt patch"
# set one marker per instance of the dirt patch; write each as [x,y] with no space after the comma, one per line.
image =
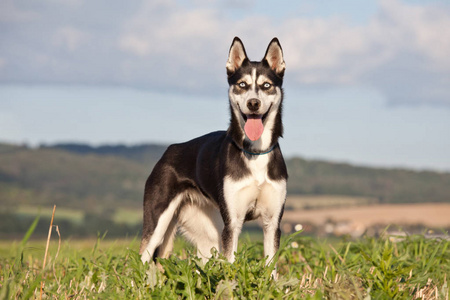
[432,215]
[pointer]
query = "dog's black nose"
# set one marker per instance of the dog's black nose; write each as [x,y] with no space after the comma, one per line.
[253,104]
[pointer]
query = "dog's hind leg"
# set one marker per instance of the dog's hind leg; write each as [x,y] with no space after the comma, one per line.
[161,235]
[167,245]
[202,225]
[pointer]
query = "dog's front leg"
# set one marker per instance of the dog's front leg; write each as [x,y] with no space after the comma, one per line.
[271,204]
[230,236]
[237,196]
[272,233]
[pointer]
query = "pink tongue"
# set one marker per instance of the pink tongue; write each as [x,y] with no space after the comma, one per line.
[253,127]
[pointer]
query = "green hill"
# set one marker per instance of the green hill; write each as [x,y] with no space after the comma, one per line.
[387,185]
[53,176]
[95,178]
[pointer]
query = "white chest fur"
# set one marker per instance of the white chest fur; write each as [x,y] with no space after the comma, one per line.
[258,166]
[256,192]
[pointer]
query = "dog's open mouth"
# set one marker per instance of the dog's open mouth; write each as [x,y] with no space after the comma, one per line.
[254,124]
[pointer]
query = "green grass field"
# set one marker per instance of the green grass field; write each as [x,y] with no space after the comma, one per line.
[308,268]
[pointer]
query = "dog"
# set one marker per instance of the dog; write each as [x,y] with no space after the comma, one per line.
[209,186]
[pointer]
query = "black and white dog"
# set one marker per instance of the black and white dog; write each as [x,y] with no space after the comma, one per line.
[209,186]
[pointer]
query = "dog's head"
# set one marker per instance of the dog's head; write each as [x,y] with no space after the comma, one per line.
[255,92]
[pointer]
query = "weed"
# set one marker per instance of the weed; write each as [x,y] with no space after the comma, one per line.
[308,268]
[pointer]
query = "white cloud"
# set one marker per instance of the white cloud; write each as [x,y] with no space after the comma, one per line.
[315,49]
[134,44]
[9,12]
[422,28]
[70,38]
[402,50]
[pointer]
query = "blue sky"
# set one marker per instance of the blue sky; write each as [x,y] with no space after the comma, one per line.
[367,82]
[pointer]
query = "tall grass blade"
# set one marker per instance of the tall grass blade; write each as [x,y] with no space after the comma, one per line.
[30,231]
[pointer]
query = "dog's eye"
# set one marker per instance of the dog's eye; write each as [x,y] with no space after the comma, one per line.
[242,85]
[266,85]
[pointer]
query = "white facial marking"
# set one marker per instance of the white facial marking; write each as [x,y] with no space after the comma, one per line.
[263,79]
[254,78]
[270,101]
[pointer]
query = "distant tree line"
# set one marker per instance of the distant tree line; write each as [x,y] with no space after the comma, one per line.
[92,178]
[387,185]
[14,226]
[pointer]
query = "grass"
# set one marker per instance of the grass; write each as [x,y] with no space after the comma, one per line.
[370,268]
[128,216]
[72,215]
[132,216]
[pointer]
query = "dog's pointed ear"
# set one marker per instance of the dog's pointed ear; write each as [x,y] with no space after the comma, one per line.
[236,56]
[274,57]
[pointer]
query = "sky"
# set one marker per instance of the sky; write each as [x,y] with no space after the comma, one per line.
[366,82]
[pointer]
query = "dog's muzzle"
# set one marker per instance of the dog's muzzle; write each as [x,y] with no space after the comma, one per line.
[253,105]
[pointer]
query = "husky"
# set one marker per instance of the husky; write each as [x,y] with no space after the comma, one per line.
[209,186]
